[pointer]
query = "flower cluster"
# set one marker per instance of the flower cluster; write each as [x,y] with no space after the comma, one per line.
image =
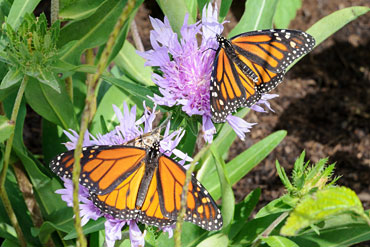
[128,129]
[187,70]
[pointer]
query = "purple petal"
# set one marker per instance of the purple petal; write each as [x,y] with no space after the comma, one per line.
[239,125]
[185,79]
[264,101]
[169,230]
[136,236]
[208,128]
[113,230]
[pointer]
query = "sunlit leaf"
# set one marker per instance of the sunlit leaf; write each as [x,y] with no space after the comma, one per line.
[278,241]
[286,11]
[258,14]
[321,205]
[12,77]
[6,128]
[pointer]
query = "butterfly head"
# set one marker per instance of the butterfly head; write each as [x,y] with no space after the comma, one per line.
[153,152]
[223,41]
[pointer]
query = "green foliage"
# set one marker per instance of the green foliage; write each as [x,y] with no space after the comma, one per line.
[31,50]
[322,205]
[175,10]
[305,178]
[313,212]
[258,14]
[285,12]
[278,241]
[6,128]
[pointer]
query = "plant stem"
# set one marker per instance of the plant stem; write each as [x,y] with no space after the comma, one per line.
[8,149]
[184,194]
[25,187]
[54,15]
[69,87]
[136,36]
[270,228]
[86,115]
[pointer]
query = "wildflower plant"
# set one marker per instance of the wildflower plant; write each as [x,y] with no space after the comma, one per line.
[75,76]
[186,69]
[127,130]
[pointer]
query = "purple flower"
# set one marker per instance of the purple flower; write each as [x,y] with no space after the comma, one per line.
[128,129]
[187,73]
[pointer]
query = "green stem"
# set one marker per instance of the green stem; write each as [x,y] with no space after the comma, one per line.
[54,11]
[269,229]
[69,87]
[184,194]
[87,114]
[8,149]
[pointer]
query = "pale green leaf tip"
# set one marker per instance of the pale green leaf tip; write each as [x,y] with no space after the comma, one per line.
[323,204]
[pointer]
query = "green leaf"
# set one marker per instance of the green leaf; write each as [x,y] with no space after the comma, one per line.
[243,211]
[52,139]
[224,8]
[134,89]
[132,65]
[19,207]
[90,32]
[218,239]
[113,96]
[61,220]
[328,25]
[43,187]
[286,11]
[51,105]
[227,194]
[244,162]
[19,9]
[6,128]
[342,230]
[192,5]
[80,9]
[280,205]
[91,226]
[283,177]
[201,4]
[320,206]
[278,241]
[258,14]
[120,40]
[11,78]
[175,10]
[48,78]
[253,228]
[223,141]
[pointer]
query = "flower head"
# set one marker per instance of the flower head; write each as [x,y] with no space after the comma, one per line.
[128,129]
[187,67]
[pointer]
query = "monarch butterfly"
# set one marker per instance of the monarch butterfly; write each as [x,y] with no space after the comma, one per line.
[250,64]
[130,182]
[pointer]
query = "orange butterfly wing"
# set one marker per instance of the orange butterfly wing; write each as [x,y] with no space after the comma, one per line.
[121,202]
[269,52]
[103,168]
[250,64]
[114,176]
[201,209]
[230,88]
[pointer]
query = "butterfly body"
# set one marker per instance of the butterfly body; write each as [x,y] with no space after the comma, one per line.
[131,182]
[250,64]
